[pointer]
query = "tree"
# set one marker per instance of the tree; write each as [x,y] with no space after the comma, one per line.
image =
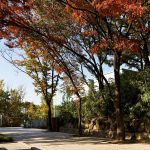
[136,103]
[49,34]
[45,79]
[68,113]
[108,28]
[5,104]
[73,87]
[16,97]
[11,105]
[91,102]
[114,23]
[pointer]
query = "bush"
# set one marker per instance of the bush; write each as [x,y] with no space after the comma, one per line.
[5,138]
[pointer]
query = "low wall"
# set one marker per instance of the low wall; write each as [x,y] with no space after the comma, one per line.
[68,130]
[40,123]
[105,134]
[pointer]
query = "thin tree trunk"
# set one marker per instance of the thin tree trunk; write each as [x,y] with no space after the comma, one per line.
[49,119]
[79,114]
[117,101]
[80,118]
[146,56]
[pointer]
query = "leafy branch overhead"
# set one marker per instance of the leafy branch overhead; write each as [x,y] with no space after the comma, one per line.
[73,39]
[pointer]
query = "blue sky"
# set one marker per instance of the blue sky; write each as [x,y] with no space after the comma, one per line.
[13,78]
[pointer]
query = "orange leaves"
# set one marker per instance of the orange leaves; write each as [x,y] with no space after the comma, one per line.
[32,54]
[14,31]
[89,32]
[11,29]
[13,19]
[29,3]
[120,44]
[110,9]
[77,15]
[2,5]
[9,33]
[136,9]
[79,9]
[114,8]
[105,8]
[98,47]
[59,68]
[124,44]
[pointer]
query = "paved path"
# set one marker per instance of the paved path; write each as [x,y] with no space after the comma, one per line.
[39,139]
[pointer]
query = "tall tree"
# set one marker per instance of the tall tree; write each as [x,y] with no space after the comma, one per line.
[114,22]
[48,35]
[45,78]
[109,24]
[11,105]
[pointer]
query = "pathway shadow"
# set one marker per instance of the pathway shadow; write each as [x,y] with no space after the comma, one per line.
[56,138]
[3,148]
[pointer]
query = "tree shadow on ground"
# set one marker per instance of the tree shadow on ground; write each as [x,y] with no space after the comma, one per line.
[59,138]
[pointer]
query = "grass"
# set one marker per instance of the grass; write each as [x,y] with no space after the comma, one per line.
[5,138]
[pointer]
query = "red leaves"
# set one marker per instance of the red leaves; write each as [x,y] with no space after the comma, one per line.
[12,29]
[2,5]
[119,44]
[89,32]
[97,48]
[126,11]
[114,8]
[59,69]
[136,9]
[124,44]
[83,9]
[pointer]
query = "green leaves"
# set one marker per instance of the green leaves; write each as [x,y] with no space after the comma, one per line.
[11,105]
[136,103]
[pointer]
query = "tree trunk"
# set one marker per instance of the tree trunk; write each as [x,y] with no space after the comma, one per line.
[79,114]
[49,119]
[117,101]
[146,56]
[80,118]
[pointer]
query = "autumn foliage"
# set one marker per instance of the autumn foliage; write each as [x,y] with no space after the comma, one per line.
[112,21]
[86,30]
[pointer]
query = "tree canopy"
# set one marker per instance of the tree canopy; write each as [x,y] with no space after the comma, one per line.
[81,36]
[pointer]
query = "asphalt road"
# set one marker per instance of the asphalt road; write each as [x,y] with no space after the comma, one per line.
[42,140]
